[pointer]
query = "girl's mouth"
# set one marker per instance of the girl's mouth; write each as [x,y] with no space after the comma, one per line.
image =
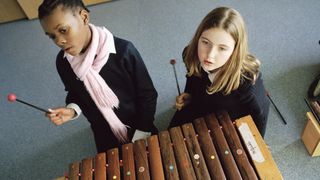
[207,62]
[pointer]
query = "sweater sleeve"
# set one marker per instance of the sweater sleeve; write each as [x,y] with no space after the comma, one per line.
[60,65]
[190,81]
[146,95]
[253,97]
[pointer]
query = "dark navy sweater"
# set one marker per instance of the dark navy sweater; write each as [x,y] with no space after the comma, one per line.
[248,99]
[127,76]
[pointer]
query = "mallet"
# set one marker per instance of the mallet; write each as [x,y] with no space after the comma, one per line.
[173,62]
[284,121]
[12,97]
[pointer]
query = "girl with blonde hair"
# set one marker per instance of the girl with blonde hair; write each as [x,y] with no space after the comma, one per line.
[221,74]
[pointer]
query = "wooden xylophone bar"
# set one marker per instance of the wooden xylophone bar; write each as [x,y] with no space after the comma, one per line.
[209,148]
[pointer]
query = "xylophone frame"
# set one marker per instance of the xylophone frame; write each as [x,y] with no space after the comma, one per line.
[212,147]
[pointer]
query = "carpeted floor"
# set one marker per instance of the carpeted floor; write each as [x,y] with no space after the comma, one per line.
[284,35]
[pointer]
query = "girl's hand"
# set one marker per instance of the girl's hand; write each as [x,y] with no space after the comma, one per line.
[182,100]
[60,115]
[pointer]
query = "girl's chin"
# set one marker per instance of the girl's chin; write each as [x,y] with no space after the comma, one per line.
[73,53]
[208,68]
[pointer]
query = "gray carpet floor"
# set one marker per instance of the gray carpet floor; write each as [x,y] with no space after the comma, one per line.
[283,34]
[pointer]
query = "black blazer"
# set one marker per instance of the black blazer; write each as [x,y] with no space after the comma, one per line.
[248,99]
[127,76]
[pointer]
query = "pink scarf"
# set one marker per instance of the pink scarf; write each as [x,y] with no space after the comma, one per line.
[87,69]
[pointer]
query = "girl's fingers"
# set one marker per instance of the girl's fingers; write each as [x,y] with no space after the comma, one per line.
[179,106]
[179,99]
[58,116]
[58,120]
[55,117]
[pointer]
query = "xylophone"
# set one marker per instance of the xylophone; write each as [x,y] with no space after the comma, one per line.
[211,147]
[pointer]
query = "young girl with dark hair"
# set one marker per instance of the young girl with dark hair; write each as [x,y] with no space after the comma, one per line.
[104,76]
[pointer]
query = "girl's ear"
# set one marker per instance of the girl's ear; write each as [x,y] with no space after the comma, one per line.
[84,16]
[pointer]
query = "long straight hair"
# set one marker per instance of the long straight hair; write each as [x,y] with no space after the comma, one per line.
[240,66]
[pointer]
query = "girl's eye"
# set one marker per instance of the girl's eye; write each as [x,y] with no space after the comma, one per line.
[63,30]
[222,49]
[205,42]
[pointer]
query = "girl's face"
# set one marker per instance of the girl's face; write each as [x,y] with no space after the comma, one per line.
[215,46]
[69,30]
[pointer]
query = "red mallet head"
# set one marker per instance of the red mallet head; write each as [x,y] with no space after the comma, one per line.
[172,61]
[12,97]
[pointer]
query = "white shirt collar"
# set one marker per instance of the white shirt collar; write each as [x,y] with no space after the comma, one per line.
[211,75]
[110,42]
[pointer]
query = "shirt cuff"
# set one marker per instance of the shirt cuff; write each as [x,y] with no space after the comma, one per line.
[140,135]
[76,108]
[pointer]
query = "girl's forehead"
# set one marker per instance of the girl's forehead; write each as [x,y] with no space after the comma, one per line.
[60,15]
[218,36]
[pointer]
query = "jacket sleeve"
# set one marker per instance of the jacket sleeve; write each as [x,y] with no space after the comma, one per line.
[190,81]
[145,93]
[253,97]
[61,67]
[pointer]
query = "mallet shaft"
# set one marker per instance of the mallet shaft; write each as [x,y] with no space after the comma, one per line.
[46,111]
[175,75]
[284,121]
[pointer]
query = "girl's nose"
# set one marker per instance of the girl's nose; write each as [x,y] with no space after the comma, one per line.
[212,53]
[60,41]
